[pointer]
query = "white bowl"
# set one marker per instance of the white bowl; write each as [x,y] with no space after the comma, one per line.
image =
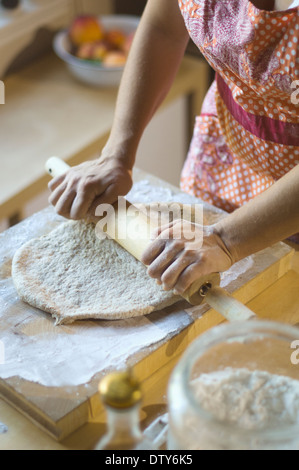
[92,73]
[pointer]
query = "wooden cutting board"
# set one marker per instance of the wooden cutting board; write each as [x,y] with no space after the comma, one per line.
[51,373]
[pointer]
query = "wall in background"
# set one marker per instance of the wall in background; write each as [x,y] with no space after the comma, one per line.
[164,145]
[96,7]
[129,7]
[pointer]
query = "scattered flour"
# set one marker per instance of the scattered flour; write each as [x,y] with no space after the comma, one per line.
[3,428]
[252,400]
[72,355]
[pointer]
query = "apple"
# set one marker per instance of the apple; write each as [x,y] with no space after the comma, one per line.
[100,50]
[85,29]
[85,51]
[115,38]
[114,59]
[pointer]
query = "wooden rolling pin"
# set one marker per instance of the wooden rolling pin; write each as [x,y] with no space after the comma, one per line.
[123,220]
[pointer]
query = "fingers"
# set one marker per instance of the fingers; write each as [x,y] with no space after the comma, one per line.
[78,203]
[164,259]
[187,277]
[172,260]
[81,205]
[68,202]
[61,197]
[180,274]
[64,203]
[160,236]
[108,196]
[55,182]
[57,193]
[78,192]
[172,276]
[153,250]
[165,229]
[176,269]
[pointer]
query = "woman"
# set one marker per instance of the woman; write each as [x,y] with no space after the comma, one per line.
[244,154]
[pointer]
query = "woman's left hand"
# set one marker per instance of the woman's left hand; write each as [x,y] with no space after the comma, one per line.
[182,251]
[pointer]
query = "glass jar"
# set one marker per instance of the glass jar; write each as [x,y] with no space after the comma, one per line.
[237,388]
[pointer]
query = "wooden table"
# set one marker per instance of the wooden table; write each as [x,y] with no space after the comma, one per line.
[48,113]
[279,301]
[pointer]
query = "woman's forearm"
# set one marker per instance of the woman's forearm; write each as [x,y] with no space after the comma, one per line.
[154,59]
[268,218]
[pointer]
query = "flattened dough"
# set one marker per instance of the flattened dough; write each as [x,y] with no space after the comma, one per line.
[73,275]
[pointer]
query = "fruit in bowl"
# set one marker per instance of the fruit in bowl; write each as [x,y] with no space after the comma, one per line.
[85,29]
[96,49]
[115,38]
[92,51]
[114,59]
[91,41]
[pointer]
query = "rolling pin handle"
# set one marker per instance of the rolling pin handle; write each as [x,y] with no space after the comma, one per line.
[204,289]
[198,290]
[56,167]
[208,288]
[229,307]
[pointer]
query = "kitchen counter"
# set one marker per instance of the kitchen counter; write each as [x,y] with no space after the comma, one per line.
[278,300]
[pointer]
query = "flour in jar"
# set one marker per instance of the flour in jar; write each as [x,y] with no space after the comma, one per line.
[251,400]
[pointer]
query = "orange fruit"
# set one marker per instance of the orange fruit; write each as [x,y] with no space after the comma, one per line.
[85,29]
[114,59]
[115,38]
[85,50]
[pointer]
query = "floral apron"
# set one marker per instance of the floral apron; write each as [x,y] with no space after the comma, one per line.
[247,136]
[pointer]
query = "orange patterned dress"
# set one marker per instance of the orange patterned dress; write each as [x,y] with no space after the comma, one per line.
[247,136]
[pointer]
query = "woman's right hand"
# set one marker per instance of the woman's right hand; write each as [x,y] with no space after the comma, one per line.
[77,193]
